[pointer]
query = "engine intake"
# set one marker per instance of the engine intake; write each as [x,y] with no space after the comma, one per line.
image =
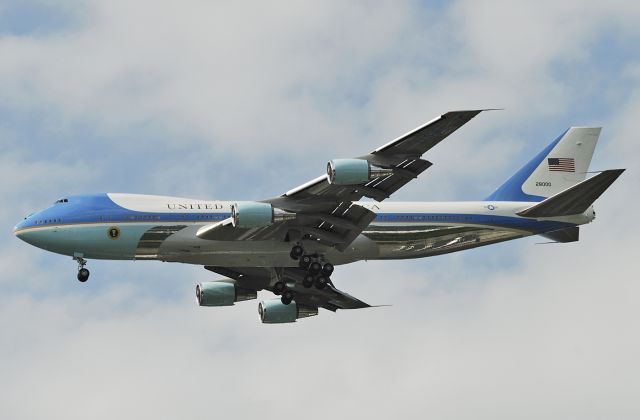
[275,312]
[354,171]
[254,214]
[222,293]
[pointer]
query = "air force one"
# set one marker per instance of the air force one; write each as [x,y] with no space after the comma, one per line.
[290,244]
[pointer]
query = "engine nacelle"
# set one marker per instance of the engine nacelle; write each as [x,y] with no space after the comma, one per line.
[254,214]
[222,293]
[275,312]
[353,171]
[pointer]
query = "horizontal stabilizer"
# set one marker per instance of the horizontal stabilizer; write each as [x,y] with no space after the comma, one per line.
[576,199]
[570,234]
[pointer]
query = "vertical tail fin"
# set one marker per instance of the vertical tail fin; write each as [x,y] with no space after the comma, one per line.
[562,164]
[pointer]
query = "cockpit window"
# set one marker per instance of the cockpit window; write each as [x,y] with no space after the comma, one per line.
[62,200]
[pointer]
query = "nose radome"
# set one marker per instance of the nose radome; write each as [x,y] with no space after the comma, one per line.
[19,229]
[35,237]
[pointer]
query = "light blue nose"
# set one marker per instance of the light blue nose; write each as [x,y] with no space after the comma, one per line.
[34,237]
[28,232]
[19,229]
[49,238]
[18,233]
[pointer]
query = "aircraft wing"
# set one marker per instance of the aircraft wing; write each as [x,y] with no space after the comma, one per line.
[402,156]
[326,212]
[329,204]
[259,278]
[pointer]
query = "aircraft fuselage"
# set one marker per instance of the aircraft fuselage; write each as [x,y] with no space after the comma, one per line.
[144,227]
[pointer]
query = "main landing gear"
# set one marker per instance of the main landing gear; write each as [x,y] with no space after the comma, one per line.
[83,273]
[317,274]
[286,295]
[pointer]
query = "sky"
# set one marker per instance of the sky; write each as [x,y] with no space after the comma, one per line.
[245,100]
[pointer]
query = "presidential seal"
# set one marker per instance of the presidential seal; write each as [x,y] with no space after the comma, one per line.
[113,232]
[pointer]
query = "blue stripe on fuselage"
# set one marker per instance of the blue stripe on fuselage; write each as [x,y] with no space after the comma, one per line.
[99,208]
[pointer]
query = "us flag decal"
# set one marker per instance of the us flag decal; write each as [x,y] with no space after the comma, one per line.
[562,164]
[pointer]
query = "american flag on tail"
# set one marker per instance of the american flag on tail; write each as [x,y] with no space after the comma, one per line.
[562,164]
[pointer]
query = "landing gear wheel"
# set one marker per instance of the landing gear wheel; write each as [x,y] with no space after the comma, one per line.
[315,267]
[278,288]
[287,297]
[327,270]
[296,252]
[83,275]
[307,282]
[321,282]
[305,260]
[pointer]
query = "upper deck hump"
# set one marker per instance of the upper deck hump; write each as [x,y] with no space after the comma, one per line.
[162,204]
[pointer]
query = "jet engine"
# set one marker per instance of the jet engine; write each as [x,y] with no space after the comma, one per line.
[255,214]
[275,312]
[353,171]
[222,293]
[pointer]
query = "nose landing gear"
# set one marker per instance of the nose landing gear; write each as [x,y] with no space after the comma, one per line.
[83,273]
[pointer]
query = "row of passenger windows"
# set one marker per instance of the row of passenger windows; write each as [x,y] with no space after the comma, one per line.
[48,221]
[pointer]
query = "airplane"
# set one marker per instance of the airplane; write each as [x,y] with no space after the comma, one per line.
[290,244]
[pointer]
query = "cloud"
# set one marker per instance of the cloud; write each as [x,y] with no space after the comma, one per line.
[206,99]
[455,351]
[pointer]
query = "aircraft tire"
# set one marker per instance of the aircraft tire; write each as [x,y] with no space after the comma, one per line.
[308,280]
[296,252]
[315,267]
[287,297]
[83,275]
[321,282]
[305,261]
[327,269]
[279,288]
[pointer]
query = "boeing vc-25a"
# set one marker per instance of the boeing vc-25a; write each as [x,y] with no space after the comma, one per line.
[290,244]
